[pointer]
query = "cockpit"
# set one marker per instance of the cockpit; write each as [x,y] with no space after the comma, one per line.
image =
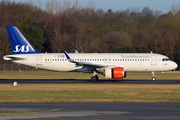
[166,59]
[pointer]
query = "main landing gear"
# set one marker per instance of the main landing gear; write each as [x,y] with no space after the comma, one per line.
[153,76]
[94,77]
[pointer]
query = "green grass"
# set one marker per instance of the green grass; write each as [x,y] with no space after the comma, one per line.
[43,75]
[53,93]
[74,75]
[17,113]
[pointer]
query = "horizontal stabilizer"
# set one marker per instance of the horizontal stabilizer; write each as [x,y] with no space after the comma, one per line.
[13,58]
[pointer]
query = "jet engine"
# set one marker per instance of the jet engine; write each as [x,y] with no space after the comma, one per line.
[116,73]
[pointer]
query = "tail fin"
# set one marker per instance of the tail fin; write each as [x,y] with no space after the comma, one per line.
[19,43]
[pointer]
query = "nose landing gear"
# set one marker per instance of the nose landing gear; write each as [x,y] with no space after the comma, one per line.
[153,76]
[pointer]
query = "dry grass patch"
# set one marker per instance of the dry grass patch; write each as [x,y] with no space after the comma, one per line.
[17,113]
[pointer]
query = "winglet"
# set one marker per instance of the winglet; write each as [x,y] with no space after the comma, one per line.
[67,56]
[76,51]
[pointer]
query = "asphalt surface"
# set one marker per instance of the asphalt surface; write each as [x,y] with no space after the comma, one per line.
[89,111]
[124,81]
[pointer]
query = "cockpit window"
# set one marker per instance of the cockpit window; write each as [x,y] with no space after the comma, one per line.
[165,59]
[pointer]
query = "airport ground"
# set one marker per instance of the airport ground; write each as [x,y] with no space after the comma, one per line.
[89,92]
[43,74]
[58,98]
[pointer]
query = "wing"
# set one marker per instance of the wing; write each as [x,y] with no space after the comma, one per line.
[84,64]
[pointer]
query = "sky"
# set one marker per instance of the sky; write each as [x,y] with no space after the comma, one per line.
[161,5]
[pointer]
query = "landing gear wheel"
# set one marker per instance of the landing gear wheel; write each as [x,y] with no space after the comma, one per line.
[153,79]
[94,78]
[153,76]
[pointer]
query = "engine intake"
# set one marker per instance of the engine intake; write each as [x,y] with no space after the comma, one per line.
[116,73]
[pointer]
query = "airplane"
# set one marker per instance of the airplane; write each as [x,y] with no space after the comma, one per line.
[111,65]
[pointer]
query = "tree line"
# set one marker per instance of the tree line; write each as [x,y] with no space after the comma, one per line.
[66,27]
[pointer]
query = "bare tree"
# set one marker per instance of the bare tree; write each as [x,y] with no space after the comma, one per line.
[81,42]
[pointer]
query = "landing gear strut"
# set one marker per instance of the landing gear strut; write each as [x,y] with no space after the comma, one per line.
[153,76]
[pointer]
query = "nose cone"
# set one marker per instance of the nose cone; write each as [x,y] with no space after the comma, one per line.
[174,65]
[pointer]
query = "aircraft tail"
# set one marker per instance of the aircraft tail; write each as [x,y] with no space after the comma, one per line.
[19,43]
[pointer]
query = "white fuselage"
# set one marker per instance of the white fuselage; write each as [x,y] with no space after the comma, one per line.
[131,62]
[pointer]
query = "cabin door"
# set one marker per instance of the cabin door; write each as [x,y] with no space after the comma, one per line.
[153,60]
[39,60]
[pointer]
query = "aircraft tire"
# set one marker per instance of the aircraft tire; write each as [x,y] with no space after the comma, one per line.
[94,78]
[153,79]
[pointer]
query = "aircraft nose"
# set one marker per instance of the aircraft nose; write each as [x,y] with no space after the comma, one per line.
[174,65]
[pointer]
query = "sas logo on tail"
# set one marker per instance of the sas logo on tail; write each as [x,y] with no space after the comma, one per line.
[22,48]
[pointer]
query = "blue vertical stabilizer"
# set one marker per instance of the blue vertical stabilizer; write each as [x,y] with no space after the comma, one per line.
[19,43]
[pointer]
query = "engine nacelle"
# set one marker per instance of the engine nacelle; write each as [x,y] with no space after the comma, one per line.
[116,73]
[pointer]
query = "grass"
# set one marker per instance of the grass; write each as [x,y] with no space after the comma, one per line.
[53,93]
[17,113]
[74,75]
[43,75]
